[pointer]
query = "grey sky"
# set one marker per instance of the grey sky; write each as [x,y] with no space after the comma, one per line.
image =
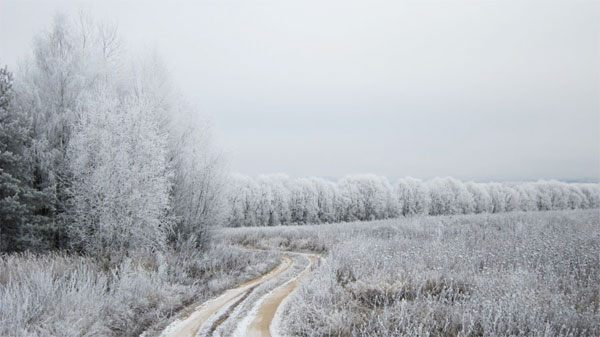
[483,90]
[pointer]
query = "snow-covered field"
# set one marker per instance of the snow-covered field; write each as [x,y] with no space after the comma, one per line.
[516,274]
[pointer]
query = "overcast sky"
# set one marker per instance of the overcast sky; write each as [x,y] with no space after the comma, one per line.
[478,90]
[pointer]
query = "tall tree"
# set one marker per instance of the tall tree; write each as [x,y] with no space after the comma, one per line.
[22,207]
[69,60]
[197,180]
[120,188]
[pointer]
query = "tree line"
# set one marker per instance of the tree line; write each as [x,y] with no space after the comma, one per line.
[273,200]
[99,154]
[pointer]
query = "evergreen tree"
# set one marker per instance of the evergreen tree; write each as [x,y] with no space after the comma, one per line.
[22,207]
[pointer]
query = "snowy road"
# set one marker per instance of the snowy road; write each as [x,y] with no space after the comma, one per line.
[251,309]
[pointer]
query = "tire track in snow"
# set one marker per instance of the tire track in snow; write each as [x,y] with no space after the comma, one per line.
[230,310]
[259,321]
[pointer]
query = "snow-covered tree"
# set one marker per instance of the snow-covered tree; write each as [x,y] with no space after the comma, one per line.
[370,197]
[481,197]
[412,197]
[120,187]
[327,198]
[273,200]
[242,201]
[512,198]
[68,61]
[576,198]
[528,196]
[449,196]
[23,209]
[504,197]
[281,199]
[198,179]
[591,193]
[304,202]
[559,194]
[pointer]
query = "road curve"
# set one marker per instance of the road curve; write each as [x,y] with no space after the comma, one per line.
[190,325]
[207,318]
[261,324]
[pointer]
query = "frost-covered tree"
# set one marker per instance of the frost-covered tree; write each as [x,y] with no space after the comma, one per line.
[235,202]
[442,198]
[481,197]
[504,197]
[544,200]
[559,194]
[22,208]
[370,196]
[280,199]
[528,196]
[327,198]
[273,199]
[576,198]
[412,197]
[198,174]
[449,196]
[512,197]
[304,205]
[591,193]
[120,187]
[68,62]
[498,194]
[265,210]
[243,201]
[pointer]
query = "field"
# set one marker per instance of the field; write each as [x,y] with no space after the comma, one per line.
[514,274]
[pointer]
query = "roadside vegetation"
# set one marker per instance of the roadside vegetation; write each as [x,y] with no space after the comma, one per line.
[68,295]
[513,274]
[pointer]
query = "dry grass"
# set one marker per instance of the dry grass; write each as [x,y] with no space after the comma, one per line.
[60,295]
[514,274]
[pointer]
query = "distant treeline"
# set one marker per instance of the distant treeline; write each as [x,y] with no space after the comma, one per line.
[279,200]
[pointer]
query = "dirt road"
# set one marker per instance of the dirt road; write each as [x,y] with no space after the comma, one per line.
[249,309]
[263,319]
